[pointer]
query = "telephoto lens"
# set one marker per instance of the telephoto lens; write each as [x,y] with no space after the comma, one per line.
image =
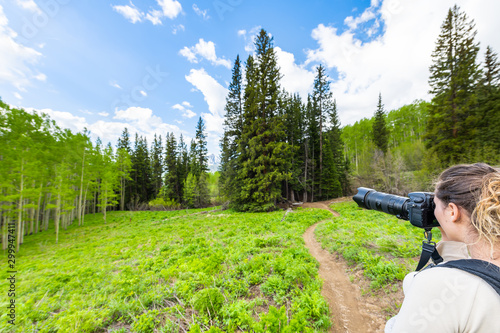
[418,208]
[383,202]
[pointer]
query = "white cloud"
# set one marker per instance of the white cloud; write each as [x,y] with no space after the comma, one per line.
[16,60]
[64,119]
[138,120]
[249,37]
[215,96]
[115,84]
[143,93]
[396,62]
[177,28]
[199,12]
[170,8]
[29,5]
[185,108]
[296,79]
[154,16]
[205,50]
[178,107]
[41,77]
[366,16]
[131,12]
[18,96]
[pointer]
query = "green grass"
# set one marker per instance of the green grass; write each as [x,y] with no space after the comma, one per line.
[384,247]
[169,271]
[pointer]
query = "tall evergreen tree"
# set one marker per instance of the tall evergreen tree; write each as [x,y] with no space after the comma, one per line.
[380,131]
[323,100]
[182,165]
[157,165]
[172,181]
[124,146]
[453,78]
[488,110]
[233,124]
[263,144]
[141,174]
[201,151]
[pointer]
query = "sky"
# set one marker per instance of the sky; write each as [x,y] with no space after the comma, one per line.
[157,66]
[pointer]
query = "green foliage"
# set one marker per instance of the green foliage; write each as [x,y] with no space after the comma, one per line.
[208,301]
[454,75]
[164,204]
[380,132]
[147,271]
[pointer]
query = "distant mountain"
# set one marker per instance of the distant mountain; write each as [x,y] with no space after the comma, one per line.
[213,162]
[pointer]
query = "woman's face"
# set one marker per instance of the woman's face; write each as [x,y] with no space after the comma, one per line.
[439,210]
[448,218]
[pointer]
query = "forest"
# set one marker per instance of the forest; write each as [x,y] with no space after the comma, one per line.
[277,147]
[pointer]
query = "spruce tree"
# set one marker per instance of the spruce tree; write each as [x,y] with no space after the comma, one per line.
[336,145]
[380,131]
[263,135]
[488,110]
[172,182]
[233,123]
[323,99]
[453,77]
[124,146]
[157,165]
[201,148]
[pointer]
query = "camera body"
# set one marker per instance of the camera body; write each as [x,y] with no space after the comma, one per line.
[418,208]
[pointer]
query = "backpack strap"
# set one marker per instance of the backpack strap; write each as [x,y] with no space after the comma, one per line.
[487,271]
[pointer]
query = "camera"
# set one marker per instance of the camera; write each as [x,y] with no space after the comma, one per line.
[418,208]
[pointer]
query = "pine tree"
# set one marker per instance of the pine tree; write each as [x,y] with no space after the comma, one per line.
[233,124]
[141,175]
[491,69]
[336,145]
[488,110]
[295,126]
[323,99]
[172,181]
[453,77]
[263,137]
[157,165]
[312,150]
[201,152]
[182,165]
[380,131]
[125,152]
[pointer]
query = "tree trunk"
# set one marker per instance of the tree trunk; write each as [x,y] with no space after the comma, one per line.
[20,207]
[81,191]
[38,209]
[58,211]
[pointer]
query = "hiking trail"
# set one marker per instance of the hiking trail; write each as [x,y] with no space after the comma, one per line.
[350,311]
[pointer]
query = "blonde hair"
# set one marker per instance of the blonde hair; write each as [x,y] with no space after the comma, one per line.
[486,216]
[476,189]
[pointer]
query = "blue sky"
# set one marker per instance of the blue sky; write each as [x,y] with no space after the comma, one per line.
[156,66]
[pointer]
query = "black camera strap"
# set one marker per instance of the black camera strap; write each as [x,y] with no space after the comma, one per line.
[428,251]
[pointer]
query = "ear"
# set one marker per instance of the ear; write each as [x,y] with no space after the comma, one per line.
[454,212]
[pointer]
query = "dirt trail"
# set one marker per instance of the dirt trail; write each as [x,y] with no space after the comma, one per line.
[350,311]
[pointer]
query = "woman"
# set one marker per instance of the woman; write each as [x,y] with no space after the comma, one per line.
[449,297]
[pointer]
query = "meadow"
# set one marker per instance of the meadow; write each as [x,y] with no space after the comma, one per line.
[180,271]
[199,271]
